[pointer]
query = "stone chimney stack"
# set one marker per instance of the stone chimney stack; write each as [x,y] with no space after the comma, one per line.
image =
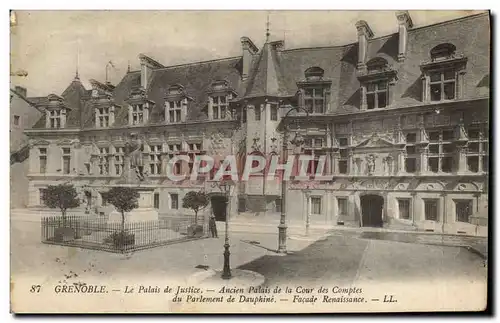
[147,66]
[249,49]
[405,23]
[364,34]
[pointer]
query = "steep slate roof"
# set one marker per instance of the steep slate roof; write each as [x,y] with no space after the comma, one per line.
[275,72]
[266,75]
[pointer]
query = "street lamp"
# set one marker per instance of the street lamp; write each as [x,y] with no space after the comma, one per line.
[225,187]
[298,140]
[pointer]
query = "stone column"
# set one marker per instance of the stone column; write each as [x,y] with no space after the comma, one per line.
[423,160]
[461,84]
[362,90]
[401,160]
[462,158]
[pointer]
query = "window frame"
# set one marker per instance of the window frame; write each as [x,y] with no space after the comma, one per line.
[172,201]
[155,152]
[410,208]
[103,161]
[470,207]
[174,110]
[222,108]
[442,82]
[119,160]
[103,114]
[138,114]
[441,153]
[66,158]
[376,92]
[55,116]
[42,155]
[433,200]
[320,200]
[339,211]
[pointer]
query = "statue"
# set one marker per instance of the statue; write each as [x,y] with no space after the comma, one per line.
[359,163]
[370,161]
[388,163]
[133,149]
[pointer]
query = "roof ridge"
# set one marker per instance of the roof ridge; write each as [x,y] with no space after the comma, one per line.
[194,63]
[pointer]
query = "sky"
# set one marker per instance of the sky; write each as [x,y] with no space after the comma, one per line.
[49,45]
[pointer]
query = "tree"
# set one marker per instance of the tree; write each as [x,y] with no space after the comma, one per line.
[195,201]
[124,199]
[62,196]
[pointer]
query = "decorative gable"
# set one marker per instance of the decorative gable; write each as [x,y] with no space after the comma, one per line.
[375,142]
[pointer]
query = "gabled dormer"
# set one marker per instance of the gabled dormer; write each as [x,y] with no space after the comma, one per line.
[55,112]
[219,95]
[139,107]
[176,104]
[103,104]
[376,81]
[443,74]
[314,91]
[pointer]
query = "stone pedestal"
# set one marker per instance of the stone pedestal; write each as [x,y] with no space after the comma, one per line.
[145,211]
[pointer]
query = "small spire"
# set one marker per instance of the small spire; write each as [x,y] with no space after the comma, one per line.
[128,67]
[267,29]
[77,76]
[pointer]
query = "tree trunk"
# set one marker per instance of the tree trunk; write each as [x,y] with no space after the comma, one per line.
[195,217]
[123,221]
[63,213]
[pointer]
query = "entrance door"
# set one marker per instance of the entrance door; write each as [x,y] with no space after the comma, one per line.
[371,208]
[219,207]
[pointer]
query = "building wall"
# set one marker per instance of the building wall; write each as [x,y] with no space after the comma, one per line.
[22,116]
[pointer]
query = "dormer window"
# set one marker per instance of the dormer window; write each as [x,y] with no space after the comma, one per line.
[376,84]
[314,91]
[55,118]
[220,94]
[442,85]
[137,114]
[103,117]
[139,108]
[176,104]
[174,111]
[55,112]
[376,95]
[219,107]
[443,74]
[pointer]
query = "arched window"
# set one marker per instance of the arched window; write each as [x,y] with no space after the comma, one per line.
[443,51]
[377,64]
[314,73]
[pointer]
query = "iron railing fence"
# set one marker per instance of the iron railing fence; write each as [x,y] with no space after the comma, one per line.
[96,232]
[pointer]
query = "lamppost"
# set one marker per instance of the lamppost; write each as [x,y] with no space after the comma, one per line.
[307,193]
[225,187]
[297,141]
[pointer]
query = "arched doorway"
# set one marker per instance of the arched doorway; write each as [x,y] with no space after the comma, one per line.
[371,210]
[219,207]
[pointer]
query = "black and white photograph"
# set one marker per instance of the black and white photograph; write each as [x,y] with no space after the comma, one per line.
[238,161]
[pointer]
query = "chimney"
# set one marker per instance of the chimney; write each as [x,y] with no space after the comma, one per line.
[405,23]
[147,66]
[249,49]
[364,34]
[21,91]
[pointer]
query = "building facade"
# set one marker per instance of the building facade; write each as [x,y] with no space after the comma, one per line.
[23,115]
[402,120]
